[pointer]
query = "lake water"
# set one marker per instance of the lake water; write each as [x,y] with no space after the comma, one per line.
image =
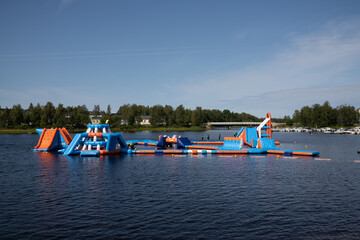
[50,196]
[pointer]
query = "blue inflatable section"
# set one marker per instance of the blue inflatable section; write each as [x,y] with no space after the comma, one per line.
[255,150]
[111,142]
[95,143]
[240,131]
[269,146]
[267,143]
[145,142]
[251,136]
[183,141]
[90,153]
[162,142]
[39,131]
[99,126]
[231,144]
[77,140]
[122,143]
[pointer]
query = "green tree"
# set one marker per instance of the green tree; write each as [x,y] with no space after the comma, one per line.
[35,115]
[296,117]
[325,115]
[134,115]
[115,121]
[138,111]
[124,111]
[169,115]
[79,117]
[217,116]
[138,119]
[157,116]
[347,115]
[196,117]
[180,115]
[59,116]
[288,121]
[47,119]
[316,115]
[27,114]
[306,116]
[328,115]
[131,118]
[188,114]
[108,110]
[226,115]
[206,115]
[17,115]
[5,120]
[96,110]
[107,115]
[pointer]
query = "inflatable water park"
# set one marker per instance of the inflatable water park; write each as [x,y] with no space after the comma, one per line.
[99,140]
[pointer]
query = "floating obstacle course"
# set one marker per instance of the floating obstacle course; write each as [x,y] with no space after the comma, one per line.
[257,140]
[99,140]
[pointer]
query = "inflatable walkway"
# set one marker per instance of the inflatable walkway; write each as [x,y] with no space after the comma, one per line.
[269,146]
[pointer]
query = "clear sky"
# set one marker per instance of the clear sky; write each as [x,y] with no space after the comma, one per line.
[246,56]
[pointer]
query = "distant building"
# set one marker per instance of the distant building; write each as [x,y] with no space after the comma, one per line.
[145,120]
[122,121]
[96,118]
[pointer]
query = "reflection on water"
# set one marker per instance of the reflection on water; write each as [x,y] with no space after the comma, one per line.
[47,195]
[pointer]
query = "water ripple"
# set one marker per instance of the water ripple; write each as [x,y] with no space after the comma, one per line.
[49,196]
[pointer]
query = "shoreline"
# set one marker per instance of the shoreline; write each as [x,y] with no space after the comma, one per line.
[339,130]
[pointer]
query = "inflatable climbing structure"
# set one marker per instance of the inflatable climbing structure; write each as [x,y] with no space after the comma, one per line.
[97,140]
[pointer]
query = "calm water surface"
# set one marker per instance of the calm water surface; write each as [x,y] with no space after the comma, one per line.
[50,196]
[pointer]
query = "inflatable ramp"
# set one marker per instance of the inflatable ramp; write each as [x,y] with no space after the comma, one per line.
[52,139]
[182,142]
[249,136]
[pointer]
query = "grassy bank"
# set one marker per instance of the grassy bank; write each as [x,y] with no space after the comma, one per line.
[18,131]
[123,129]
[158,129]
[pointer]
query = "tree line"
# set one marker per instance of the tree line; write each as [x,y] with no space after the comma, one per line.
[324,116]
[127,115]
[44,116]
[179,116]
[131,116]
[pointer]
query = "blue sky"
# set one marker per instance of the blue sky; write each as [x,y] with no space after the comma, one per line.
[246,56]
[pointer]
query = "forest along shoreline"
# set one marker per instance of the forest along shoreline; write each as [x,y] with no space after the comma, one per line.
[343,119]
[135,129]
[328,130]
